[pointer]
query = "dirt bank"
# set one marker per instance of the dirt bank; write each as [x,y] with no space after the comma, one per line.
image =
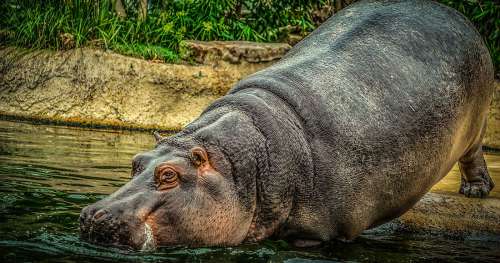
[102,88]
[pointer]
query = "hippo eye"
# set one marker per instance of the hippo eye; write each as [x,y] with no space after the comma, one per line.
[166,178]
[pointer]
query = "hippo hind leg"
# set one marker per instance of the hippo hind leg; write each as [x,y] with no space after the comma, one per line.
[476,182]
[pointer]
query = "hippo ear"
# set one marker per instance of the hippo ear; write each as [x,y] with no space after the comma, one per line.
[157,136]
[199,156]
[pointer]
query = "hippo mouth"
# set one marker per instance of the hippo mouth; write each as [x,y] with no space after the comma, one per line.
[103,229]
[145,242]
[149,239]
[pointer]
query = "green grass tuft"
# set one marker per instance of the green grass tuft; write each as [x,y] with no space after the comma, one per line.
[147,52]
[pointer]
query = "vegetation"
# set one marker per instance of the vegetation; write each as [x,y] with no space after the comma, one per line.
[117,25]
[155,29]
[485,15]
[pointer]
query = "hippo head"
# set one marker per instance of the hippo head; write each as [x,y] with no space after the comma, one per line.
[180,193]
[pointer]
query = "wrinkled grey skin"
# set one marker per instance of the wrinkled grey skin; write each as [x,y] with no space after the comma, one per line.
[349,130]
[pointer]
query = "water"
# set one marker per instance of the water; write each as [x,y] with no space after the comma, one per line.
[49,173]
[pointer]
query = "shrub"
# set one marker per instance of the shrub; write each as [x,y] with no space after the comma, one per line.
[62,24]
[485,15]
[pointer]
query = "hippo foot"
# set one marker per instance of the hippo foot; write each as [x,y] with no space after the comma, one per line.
[478,188]
[476,182]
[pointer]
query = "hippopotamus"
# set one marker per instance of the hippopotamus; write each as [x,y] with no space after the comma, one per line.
[347,131]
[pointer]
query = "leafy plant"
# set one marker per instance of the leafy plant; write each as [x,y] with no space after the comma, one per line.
[485,15]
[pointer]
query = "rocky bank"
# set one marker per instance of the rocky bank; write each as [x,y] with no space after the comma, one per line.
[100,88]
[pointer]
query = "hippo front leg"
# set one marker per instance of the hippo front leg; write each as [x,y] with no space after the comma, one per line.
[476,182]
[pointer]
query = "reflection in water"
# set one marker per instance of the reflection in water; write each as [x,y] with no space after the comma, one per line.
[48,174]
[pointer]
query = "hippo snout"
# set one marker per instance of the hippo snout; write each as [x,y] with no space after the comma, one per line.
[102,225]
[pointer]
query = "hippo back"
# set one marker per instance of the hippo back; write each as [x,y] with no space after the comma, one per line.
[390,95]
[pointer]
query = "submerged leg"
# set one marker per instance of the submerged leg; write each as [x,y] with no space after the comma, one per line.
[476,182]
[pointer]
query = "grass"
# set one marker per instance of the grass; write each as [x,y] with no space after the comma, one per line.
[65,24]
[147,52]
[485,15]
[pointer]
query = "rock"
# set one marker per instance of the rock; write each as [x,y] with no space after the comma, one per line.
[67,40]
[235,51]
[293,39]
[452,214]
[102,88]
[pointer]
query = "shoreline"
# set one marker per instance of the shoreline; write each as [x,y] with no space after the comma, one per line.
[102,89]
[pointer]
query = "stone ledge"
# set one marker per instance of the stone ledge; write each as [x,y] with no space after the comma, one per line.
[452,215]
[96,86]
[85,122]
[235,51]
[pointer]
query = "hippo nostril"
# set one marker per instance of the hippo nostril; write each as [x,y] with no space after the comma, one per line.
[100,215]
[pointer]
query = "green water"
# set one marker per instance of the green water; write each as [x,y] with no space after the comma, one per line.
[48,174]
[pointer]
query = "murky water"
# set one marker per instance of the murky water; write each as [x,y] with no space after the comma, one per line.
[48,173]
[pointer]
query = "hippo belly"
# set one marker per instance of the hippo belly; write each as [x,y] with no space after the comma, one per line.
[347,131]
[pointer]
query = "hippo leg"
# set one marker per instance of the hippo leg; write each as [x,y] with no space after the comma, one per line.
[476,182]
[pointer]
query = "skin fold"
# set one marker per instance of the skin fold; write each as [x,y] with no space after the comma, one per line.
[347,131]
